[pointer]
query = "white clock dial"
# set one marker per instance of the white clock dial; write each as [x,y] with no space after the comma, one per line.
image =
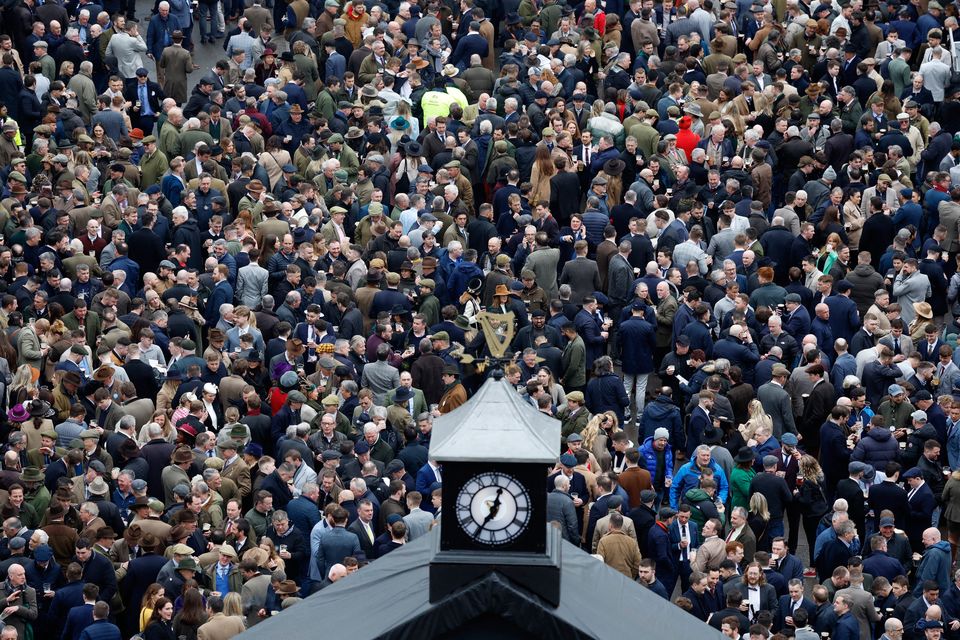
[493,508]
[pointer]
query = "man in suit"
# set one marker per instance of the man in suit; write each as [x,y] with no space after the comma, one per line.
[644,517]
[560,509]
[790,603]
[81,616]
[776,402]
[836,552]
[219,626]
[417,404]
[850,489]
[784,562]
[741,532]
[861,605]
[338,543]
[146,96]
[364,527]
[684,538]
[758,595]
[582,273]
[922,503]
[846,627]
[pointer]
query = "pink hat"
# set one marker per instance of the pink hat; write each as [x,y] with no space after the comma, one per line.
[18,413]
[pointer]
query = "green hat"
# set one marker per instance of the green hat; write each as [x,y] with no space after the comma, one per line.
[330,401]
[150,139]
[375,208]
[340,175]
[335,139]
[453,164]
[31,474]
[89,434]
[338,210]
[428,283]
[16,175]
[548,132]
[187,564]
[441,335]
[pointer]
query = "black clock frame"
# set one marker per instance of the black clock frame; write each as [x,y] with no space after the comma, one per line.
[530,476]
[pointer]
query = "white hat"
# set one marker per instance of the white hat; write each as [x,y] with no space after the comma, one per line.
[209,388]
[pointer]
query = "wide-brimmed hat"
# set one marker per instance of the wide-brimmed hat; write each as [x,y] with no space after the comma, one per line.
[402,394]
[745,454]
[18,413]
[286,588]
[450,70]
[188,564]
[255,186]
[614,166]
[693,109]
[501,290]
[182,455]
[31,474]
[923,309]
[104,373]
[40,409]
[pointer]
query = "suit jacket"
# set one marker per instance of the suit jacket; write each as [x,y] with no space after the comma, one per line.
[583,276]
[863,610]
[335,545]
[776,403]
[749,542]
[219,626]
[366,544]
[846,628]
[419,402]
[785,610]
[694,541]
[560,509]
[768,596]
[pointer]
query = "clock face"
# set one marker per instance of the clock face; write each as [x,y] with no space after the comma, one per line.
[493,508]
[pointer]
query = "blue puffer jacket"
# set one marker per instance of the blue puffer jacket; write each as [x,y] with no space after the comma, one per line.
[661,413]
[650,456]
[877,448]
[688,477]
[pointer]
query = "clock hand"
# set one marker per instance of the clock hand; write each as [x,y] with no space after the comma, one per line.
[494,508]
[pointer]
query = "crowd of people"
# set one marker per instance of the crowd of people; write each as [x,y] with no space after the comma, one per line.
[718,242]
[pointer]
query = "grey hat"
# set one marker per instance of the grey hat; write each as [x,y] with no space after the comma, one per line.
[648,495]
[792,297]
[166,264]
[661,432]
[97,466]
[919,416]
[830,174]
[139,485]
[856,467]
[574,437]
[296,396]
[769,461]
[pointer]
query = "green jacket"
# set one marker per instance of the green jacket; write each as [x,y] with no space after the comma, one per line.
[152,168]
[740,487]
[169,141]
[572,422]
[326,104]
[430,310]
[574,362]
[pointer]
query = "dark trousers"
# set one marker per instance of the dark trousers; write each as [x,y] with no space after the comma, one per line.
[793,523]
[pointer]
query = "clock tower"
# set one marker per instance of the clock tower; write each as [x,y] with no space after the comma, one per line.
[495,451]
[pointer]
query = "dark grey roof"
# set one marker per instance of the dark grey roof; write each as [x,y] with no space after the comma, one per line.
[496,424]
[390,599]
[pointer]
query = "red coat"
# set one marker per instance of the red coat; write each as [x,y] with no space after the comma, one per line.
[686,139]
